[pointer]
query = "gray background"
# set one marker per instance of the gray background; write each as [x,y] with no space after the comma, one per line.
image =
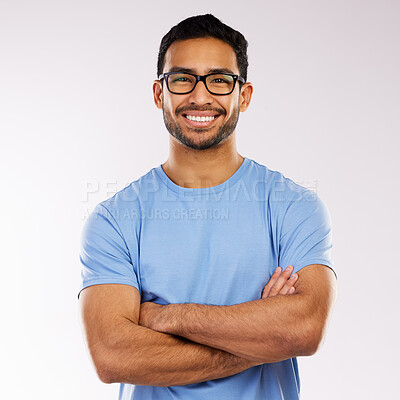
[78,122]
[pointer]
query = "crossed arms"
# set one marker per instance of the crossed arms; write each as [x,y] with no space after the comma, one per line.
[180,344]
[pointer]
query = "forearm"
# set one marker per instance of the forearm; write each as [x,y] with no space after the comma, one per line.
[266,330]
[142,356]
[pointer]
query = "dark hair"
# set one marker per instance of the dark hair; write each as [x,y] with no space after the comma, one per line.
[201,26]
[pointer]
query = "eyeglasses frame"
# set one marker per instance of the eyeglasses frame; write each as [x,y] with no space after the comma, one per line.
[202,78]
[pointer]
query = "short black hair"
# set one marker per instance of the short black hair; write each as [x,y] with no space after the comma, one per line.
[201,26]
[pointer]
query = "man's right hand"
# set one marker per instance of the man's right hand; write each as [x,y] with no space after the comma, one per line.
[281,282]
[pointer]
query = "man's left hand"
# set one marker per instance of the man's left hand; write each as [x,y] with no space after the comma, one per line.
[281,282]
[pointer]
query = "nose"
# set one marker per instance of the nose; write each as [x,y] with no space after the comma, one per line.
[200,94]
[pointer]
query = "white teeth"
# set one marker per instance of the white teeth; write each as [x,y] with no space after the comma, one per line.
[199,119]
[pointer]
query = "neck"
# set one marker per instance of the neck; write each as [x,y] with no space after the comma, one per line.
[202,168]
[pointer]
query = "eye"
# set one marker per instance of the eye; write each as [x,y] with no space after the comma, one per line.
[219,80]
[181,79]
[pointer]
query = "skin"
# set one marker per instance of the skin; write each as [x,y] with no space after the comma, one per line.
[180,344]
[256,330]
[187,165]
[124,351]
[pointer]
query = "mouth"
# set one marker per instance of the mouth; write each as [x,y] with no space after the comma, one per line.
[200,120]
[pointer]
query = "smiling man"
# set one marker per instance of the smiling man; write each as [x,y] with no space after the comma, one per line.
[209,275]
[206,122]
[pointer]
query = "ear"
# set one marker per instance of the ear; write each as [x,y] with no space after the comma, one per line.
[245,96]
[157,94]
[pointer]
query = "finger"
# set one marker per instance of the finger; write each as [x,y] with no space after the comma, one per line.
[271,282]
[281,281]
[288,286]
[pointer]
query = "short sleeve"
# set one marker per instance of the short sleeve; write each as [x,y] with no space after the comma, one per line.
[104,254]
[306,233]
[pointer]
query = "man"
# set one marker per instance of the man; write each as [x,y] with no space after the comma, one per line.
[209,275]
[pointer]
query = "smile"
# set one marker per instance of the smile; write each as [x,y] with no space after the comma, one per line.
[200,119]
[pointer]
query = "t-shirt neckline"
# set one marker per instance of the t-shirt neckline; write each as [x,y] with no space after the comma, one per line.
[206,190]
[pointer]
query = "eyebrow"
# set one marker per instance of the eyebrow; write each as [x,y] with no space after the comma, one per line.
[193,71]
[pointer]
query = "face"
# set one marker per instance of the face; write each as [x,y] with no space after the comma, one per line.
[200,56]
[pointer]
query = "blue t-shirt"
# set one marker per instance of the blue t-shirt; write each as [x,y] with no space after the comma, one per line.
[217,245]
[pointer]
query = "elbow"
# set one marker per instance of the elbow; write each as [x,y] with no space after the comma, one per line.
[309,348]
[104,371]
[108,375]
[302,341]
[105,375]
[113,371]
[312,341]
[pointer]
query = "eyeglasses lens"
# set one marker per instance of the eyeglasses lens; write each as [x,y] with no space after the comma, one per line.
[216,83]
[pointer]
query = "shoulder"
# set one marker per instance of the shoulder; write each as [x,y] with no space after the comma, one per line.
[279,191]
[133,194]
[125,206]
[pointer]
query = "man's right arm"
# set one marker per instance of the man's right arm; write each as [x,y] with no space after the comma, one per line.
[125,352]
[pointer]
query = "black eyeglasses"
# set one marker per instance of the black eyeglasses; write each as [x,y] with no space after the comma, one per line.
[184,82]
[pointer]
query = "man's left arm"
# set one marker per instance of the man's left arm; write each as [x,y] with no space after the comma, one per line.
[267,330]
